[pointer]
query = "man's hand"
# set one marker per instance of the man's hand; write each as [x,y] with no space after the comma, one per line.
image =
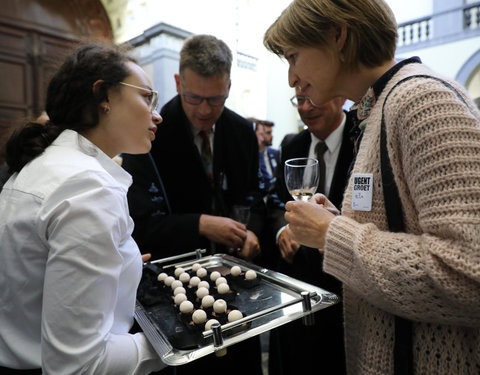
[287,245]
[251,247]
[223,230]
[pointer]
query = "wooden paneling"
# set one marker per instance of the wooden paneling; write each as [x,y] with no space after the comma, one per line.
[35,36]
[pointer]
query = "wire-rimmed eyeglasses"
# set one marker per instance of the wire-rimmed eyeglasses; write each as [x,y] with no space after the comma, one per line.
[153,99]
[214,101]
[299,100]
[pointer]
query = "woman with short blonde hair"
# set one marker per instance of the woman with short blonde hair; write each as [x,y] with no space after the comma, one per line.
[406,245]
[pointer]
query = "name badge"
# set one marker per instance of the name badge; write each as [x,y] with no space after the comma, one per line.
[362,191]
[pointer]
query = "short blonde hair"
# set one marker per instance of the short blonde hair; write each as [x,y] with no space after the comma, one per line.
[371,29]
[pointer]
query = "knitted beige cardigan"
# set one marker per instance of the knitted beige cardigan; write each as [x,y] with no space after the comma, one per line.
[431,274]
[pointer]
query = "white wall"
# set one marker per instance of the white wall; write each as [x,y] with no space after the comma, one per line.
[447,59]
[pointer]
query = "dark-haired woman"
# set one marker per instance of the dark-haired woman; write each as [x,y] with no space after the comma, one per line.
[411,278]
[69,268]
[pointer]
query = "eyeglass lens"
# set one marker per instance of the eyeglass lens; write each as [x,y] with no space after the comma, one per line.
[214,101]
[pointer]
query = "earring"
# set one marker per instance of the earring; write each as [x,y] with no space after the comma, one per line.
[106,109]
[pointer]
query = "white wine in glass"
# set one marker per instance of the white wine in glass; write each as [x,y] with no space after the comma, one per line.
[301,177]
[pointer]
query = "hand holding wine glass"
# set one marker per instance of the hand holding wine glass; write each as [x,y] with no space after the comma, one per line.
[301,177]
[240,213]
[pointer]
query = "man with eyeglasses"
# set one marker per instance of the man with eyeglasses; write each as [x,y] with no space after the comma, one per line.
[204,160]
[329,127]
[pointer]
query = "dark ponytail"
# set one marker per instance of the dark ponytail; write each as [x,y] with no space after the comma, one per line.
[27,143]
[71,101]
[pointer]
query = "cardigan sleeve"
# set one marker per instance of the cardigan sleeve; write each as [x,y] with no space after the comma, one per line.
[432,272]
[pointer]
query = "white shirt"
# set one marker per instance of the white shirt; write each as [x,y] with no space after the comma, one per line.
[69,268]
[334,143]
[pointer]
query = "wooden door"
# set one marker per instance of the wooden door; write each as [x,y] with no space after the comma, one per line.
[35,36]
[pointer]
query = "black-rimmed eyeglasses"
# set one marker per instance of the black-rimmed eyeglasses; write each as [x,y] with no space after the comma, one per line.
[153,98]
[299,100]
[214,101]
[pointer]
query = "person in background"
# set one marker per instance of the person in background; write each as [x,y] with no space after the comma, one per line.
[69,266]
[268,132]
[329,126]
[411,281]
[268,157]
[202,163]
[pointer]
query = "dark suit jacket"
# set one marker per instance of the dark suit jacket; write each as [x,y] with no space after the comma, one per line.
[325,341]
[166,231]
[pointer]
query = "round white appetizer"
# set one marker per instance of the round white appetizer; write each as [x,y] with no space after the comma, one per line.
[207,301]
[209,323]
[194,281]
[186,307]
[175,284]
[220,306]
[179,298]
[202,292]
[234,315]
[169,280]
[235,271]
[203,284]
[199,316]
[196,266]
[178,271]
[220,280]
[223,288]
[184,277]
[201,272]
[178,290]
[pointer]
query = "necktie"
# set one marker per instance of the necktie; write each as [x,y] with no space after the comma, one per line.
[320,149]
[207,157]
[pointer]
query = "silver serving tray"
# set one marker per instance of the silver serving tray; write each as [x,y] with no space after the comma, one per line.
[276,300]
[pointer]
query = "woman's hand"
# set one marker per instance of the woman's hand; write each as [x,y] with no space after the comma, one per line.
[308,221]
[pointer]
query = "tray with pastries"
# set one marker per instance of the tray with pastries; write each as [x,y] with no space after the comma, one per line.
[192,305]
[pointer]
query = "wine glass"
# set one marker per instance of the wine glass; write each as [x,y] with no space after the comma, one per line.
[301,177]
[240,213]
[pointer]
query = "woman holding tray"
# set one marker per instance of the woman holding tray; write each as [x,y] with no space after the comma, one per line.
[408,257]
[69,267]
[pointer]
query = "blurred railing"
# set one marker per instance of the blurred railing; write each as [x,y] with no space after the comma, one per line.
[423,29]
[471,17]
[415,31]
